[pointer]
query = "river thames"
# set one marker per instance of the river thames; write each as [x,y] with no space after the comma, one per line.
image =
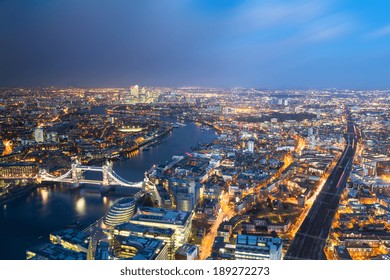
[28,220]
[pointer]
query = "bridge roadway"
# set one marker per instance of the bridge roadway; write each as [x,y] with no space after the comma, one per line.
[310,240]
[81,181]
[109,177]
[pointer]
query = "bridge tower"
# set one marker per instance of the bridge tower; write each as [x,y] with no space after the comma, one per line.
[76,173]
[106,169]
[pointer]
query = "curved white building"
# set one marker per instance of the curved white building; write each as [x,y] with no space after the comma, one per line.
[120,212]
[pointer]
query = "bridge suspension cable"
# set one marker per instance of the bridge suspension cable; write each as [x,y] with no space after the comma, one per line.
[75,175]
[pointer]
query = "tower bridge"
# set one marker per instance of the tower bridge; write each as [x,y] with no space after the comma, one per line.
[75,175]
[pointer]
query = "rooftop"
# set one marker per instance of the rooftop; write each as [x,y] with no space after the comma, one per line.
[147,247]
[72,236]
[258,241]
[186,249]
[50,251]
[160,215]
[155,231]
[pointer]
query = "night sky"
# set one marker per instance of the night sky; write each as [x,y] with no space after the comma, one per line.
[221,43]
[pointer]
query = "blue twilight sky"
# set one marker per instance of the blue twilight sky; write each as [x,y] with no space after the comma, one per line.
[224,43]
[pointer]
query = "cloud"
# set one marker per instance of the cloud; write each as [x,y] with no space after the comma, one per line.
[289,24]
[328,28]
[267,14]
[154,42]
[382,32]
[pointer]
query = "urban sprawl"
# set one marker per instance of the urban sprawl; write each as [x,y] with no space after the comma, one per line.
[291,174]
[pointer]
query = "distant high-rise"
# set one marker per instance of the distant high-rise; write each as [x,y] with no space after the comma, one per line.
[38,135]
[318,113]
[251,146]
[134,91]
[310,132]
[52,136]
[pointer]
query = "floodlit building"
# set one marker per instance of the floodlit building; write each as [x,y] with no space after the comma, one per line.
[120,212]
[38,135]
[165,234]
[48,251]
[187,252]
[251,247]
[179,221]
[251,146]
[140,248]
[134,91]
[71,239]
[18,170]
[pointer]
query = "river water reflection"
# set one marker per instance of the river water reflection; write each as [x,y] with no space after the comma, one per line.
[28,220]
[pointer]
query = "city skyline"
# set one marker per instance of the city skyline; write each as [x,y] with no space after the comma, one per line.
[268,44]
[194,173]
[195,130]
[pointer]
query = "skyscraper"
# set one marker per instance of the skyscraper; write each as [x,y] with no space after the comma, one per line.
[134,92]
[251,146]
[38,135]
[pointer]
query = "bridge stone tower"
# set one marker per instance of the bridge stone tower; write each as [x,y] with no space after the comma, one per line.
[76,173]
[106,169]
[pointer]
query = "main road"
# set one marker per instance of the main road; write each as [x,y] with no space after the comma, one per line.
[310,240]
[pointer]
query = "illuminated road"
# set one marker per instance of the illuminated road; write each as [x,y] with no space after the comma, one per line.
[301,143]
[226,212]
[309,203]
[7,147]
[310,240]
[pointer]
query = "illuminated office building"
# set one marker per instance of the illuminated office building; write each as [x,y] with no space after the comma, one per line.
[48,251]
[187,252]
[134,91]
[140,248]
[165,234]
[38,135]
[251,247]
[71,239]
[179,221]
[251,146]
[18,170]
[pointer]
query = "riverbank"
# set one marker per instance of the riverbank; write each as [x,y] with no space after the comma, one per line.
[28,220]
[16,193]
[122,154]
[149,141]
